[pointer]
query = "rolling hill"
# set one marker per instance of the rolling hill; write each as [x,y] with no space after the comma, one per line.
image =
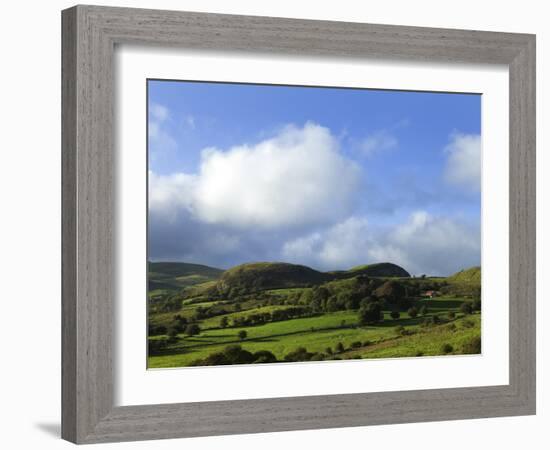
[266,275]
[178,275]
[261,276]
[384,269]
[467,282]
[467,276]
[173,276]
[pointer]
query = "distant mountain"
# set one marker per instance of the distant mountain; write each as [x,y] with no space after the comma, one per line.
[178,275]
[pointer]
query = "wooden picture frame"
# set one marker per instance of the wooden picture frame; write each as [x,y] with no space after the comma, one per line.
[90,34]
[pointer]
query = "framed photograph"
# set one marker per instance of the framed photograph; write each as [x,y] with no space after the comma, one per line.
[278,224]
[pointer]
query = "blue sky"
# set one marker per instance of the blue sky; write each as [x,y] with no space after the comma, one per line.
[325,177]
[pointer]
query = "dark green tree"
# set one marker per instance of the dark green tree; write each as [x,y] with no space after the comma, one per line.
[173,335]
[370,314]
[447,348]
[224,321]
[192,330]
[412,312]
[242,335]
[264,356]
[300,354]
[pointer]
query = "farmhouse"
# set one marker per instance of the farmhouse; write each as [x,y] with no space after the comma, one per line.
[429,294]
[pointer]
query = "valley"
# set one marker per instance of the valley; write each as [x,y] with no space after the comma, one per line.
[280,312]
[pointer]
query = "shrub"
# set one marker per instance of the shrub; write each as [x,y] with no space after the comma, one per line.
[436,319]
[423,310]
[157,330]
[472,346]
[476,304]
[232,354]
[339,347]
[419,353]
[237,355]
[317,357]
[356,344]
[264,356]
[451,315]
[447,348]
[366,343]
[300,354]
[451,327]
[192,330]
[466,308]
[172,335]
[214,359]
[412,312]
[242,335]
[224,321]
[180,319]
[395,315]
[328,351]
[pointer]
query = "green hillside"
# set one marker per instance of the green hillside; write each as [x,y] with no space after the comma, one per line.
[384,269]
[468,276]
[265,275]
[173,276]
[276,275]
[279,312]
[467,282]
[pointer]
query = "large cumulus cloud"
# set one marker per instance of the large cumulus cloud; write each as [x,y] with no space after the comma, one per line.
[297,178]
[253,195]
[422,243]
[293,197]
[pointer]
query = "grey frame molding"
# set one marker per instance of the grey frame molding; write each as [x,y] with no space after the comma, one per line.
[89,37]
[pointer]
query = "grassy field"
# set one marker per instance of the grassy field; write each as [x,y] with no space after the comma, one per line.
[405,336]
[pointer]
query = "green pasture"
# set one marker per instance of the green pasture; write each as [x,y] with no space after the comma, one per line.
[322,331]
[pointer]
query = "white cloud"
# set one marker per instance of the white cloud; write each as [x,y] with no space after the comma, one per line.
[434,245]
[158,113]
[297,178]
[378,141]
[340,246]
[161,141]
[169,194]
[463,168]
[422,244]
